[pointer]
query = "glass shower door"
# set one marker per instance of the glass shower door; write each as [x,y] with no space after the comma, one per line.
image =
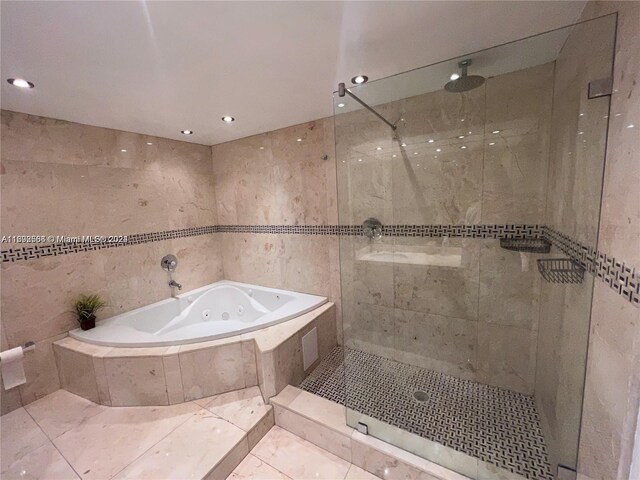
[449,332]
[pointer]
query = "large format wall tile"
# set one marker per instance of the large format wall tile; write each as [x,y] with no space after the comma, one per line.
[439,188]
[280,177]
[612,400]
[518,105]
[444,344]
[438,289]
[107,182]
[368,328]
[509,286]
[136,381]
[212,371]
[506,357]
[37,295]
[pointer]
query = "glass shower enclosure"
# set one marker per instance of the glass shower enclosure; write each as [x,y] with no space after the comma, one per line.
[456,347]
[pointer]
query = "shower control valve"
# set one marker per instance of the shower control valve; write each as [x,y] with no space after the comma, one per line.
[169,263]
[372,228]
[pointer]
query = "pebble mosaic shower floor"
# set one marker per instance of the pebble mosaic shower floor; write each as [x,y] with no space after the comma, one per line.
[497,426]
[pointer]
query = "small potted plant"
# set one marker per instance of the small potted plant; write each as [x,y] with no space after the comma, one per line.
[86,307]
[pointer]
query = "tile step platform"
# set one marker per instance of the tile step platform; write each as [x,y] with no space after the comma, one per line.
[323,423]
[206,439]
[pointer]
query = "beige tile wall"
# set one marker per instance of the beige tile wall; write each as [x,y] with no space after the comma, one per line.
[82,168]
[273,178]
[612,390]
[61,178]
[479,320]
[574,188]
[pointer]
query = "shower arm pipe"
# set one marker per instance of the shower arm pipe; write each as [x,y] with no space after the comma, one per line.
[342,90]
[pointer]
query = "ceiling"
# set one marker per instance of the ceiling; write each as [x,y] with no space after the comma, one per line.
[160,67]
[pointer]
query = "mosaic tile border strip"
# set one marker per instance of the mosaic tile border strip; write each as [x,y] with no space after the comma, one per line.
[492,424]
[622,278]
[54,249]
[471,231]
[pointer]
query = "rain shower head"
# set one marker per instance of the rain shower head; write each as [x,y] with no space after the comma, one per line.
[464,82]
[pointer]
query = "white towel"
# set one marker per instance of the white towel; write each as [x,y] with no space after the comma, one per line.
[12,368]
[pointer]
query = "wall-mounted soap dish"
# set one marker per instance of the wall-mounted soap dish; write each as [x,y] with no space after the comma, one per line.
[531,245]
[561,270]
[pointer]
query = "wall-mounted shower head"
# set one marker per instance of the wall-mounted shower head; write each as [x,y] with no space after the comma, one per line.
[464,82]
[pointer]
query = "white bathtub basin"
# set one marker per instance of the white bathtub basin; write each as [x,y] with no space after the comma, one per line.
[219,310]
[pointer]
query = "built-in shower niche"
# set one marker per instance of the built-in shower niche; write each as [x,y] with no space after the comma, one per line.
[438,256]
[470,187]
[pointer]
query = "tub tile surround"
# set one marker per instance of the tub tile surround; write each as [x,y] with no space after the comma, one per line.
[270,358]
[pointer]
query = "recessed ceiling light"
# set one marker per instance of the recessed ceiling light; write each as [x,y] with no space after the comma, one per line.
[298,139]
[20,83]
[123,150]
[580,133]
[261,148]
[631,125]
[228,119]
[340,105]
[454,76]
[186,132]
[359,79]
[438,149]
[403,144]
[431,140]
[394,155]
[492,143]
[496,131]
[435,156]
[582,114]
[460,136]
[359,159]
[378,148]
[463,147]
[149,143]
[415,153]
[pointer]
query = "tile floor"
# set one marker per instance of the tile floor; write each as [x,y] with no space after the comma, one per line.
[63,436]
[498,426]
[281,455]
[66,437]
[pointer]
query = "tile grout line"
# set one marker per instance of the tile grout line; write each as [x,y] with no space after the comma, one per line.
[264,461]
[151,447]
[53,444]
[302,440]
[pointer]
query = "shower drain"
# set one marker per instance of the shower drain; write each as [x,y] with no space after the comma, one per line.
[421,396]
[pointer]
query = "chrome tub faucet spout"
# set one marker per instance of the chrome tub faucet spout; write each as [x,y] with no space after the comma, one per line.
[174,284]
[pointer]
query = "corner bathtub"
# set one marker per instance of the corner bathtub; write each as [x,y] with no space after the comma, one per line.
[219,310]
